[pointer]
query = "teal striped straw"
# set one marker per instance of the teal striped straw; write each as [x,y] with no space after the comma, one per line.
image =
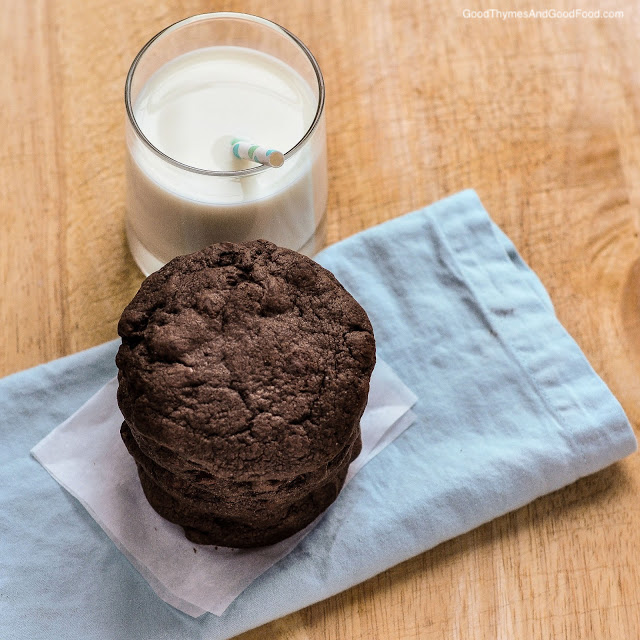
[246,150]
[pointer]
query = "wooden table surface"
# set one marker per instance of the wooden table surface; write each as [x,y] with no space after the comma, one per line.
[540,116]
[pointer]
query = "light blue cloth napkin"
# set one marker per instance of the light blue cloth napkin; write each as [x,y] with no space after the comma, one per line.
[509,409]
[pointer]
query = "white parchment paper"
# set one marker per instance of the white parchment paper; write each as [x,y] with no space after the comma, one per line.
[86,455]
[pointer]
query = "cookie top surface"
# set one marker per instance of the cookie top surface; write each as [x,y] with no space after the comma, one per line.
[250,359]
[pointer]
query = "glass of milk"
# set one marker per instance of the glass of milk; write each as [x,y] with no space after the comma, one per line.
[190,91]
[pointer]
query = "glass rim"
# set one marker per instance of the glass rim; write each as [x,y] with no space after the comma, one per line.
[220,15]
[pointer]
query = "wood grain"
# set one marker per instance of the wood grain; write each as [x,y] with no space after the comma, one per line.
[541,117]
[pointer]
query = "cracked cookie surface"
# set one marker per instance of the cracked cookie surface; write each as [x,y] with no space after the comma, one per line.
[250,359]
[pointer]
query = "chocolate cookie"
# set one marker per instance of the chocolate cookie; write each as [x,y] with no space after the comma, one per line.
[243,373]
[201,485]
[242,532]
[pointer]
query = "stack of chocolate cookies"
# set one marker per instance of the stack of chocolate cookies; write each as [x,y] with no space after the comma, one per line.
[243,373]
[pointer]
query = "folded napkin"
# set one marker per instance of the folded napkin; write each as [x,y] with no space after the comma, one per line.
[508,409]
[86,455]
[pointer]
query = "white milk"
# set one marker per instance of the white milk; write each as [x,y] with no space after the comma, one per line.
[190,109]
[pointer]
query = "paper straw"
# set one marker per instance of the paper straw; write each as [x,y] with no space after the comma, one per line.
[246,150]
